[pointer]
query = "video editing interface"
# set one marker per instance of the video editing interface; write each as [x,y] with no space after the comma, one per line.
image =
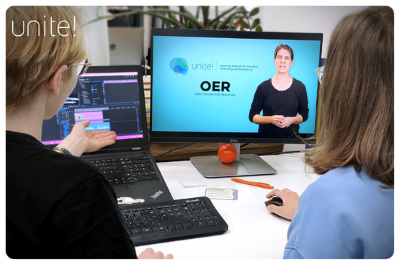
[109,100]
[216,85]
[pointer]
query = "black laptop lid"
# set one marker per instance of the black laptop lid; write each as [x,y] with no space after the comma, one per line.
[112,98]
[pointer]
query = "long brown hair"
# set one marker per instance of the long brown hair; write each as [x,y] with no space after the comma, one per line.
[357,97]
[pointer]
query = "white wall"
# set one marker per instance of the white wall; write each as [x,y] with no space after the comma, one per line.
[314,19]
[96,35]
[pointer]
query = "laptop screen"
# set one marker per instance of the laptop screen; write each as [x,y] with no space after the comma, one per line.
[111,100]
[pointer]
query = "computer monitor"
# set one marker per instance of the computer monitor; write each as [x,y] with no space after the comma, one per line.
[207,86]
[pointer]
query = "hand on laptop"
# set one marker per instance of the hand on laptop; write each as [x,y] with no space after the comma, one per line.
[148,253]
[80,141]
[290,201]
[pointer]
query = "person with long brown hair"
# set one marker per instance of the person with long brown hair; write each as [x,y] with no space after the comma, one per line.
[349,211]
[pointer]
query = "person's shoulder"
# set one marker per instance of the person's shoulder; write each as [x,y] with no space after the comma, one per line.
[346,181]
[265,85]
[336,178]
[298,83]
[72,165]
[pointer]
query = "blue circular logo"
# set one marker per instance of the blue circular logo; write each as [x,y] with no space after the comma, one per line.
[179,66]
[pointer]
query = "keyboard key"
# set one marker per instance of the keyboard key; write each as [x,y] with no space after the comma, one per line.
[149,213]
[154,219]
[211,222]
[147,231]
[164,216]
[136,232]
[212,213]
[139,178]
[158,229]
[171,228]
[200,224]
[187,226]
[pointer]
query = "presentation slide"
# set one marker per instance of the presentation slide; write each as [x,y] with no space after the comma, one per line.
[208,84]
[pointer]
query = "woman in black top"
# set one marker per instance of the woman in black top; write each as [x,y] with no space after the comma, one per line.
[283,99]
[57,205]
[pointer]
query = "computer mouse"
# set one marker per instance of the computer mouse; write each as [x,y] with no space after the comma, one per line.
[275,201]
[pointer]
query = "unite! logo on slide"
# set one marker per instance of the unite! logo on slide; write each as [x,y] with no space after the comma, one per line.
[179,66]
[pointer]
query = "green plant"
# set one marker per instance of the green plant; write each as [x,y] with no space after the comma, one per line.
[236,18]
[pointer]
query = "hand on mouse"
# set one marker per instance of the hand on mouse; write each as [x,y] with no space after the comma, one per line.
[290,201]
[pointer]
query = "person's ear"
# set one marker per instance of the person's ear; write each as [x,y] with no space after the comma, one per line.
[54,83]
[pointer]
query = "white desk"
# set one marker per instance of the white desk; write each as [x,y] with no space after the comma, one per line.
[253,232]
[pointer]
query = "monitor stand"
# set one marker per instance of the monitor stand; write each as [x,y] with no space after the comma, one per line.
[244,165]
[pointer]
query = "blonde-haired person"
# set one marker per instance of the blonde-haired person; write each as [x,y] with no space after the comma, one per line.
[349,211]
[57,205]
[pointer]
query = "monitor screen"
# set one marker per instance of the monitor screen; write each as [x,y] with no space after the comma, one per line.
[110,99]
[207,86]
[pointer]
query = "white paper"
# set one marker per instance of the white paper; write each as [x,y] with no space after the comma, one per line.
[192,183]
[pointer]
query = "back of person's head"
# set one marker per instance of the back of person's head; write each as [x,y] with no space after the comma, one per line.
[357,97]
[32,60]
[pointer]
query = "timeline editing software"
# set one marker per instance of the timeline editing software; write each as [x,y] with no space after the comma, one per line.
[109,100]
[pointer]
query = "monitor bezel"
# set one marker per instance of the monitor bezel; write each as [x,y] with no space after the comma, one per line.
[229,137]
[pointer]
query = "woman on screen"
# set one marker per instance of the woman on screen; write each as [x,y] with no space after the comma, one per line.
[57,205]
[349,211]
[282,98]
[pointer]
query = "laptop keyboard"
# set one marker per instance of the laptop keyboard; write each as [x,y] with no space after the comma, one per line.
[127,170]
[179,219]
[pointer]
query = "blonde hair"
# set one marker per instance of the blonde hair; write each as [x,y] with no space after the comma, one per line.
[357,97]
[32,60]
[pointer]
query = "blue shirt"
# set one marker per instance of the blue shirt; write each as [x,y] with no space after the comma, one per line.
[344,214]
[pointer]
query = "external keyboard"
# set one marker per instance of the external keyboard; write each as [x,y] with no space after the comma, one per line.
[174,220]
[127,170]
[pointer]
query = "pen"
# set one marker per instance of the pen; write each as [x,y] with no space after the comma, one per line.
[253,183]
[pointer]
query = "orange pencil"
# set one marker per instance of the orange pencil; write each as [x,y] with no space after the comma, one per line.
[253,183]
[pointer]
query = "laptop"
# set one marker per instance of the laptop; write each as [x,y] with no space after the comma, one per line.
[112,98]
